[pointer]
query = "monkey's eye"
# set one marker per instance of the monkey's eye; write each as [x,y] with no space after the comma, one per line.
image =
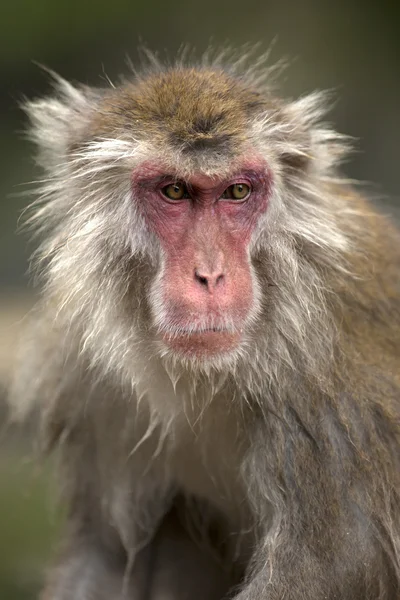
[237,191]
[175,191]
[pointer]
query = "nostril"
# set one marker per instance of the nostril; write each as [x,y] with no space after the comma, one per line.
[219,279]
[201,279]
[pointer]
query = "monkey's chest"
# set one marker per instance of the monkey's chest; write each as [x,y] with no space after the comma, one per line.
[207,465]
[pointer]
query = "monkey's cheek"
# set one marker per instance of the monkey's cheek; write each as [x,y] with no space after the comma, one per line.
[204,345]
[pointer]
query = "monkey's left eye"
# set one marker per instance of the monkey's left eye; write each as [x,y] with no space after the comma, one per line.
[175,191]
[237,191]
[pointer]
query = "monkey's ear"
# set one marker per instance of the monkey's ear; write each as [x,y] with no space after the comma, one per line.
[311,143]
[59,121]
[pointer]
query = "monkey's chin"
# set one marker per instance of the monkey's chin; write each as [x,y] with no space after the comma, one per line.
[202,345]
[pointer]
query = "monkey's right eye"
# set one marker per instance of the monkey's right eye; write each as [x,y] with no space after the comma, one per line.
[175,191]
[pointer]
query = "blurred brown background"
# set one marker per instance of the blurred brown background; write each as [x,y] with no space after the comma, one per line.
[349,45]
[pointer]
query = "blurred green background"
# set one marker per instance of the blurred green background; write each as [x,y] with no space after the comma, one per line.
[350,46]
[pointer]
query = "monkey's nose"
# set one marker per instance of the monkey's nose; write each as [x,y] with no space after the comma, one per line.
[209,279]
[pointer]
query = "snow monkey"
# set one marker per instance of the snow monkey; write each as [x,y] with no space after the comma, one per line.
[216,352]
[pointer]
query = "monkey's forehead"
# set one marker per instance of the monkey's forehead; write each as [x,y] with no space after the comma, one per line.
[190,109]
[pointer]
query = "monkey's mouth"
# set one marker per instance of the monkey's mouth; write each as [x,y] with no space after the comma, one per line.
[208,330]
[202,342]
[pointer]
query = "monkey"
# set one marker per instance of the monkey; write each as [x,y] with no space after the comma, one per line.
[215,355]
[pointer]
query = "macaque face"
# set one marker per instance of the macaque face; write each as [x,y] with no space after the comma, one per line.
[206,291]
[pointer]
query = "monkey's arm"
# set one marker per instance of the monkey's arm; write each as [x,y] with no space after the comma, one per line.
[87,571]
[329,483]
[171,567]
[124,541]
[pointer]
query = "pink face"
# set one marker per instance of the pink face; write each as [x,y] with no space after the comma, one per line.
[206,291]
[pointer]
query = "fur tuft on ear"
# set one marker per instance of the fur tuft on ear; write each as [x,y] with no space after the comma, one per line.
[314,144]
[59,121]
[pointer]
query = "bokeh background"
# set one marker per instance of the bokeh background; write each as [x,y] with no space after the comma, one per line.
[350,46]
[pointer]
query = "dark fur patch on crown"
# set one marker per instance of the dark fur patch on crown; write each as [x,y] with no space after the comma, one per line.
[186,108]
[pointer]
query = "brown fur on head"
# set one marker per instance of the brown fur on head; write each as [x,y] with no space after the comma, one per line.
[186,109]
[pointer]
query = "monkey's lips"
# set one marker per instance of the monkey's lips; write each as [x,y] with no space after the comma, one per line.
[202,343]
